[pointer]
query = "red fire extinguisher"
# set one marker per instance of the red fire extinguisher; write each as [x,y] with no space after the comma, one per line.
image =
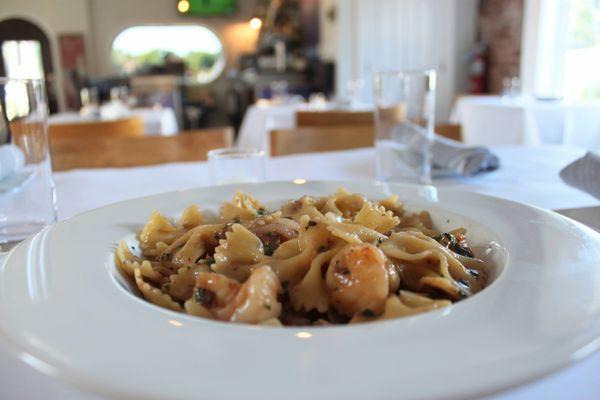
[477,69]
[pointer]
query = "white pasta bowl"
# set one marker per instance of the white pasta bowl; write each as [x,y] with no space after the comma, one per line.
[66,311]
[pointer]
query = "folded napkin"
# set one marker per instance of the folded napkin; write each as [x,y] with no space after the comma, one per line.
[450,155]
[584,174]
[12,160]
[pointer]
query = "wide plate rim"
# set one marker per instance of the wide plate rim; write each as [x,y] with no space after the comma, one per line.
[98,387]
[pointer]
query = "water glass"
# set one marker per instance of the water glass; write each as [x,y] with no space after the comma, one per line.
[27,199]
[404,118]
[236,165]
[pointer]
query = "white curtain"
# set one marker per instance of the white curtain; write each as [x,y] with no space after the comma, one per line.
[379,35]
[554,64]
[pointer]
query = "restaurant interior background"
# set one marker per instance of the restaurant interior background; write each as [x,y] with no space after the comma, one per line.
[209,64]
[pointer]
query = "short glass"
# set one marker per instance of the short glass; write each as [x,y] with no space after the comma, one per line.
[27,198]
[404,118]
[236,165]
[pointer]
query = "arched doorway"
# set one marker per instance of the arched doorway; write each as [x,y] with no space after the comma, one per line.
[18,36]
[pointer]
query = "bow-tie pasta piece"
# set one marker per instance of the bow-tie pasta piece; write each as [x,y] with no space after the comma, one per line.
[403,305]
[311,292]
[128,263]
[181,285]
[344,204]
[351,232]
[243,207]
[157,232]
[392,204]
[376,218]
[236,254]
[305,205]
[191,217]
[192,246]
[155,295]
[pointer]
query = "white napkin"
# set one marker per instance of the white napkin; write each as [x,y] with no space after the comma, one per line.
[456,157]
[12,160]
[584,174]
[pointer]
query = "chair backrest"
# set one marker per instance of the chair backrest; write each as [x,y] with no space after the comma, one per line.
[333,118]
[316,139]
[364,118]
[450,131]
[114,152]
[124,127]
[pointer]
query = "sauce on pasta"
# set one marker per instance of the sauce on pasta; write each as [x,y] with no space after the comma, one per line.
[316,261]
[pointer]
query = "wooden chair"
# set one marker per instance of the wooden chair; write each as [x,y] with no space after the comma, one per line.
[124,127]
[316,139]
[114,152]
[365,118]
[333,118]
[331,138]
[451,131]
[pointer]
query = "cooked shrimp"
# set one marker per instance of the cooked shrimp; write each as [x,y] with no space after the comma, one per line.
[215,291]
[357,280]
[228,300]
[393,276]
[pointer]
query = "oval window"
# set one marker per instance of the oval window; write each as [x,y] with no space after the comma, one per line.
[192,50]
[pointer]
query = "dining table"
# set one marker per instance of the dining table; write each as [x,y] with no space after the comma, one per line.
[265,116]
[157,121]
[485,120]
[523,120]
[527,174]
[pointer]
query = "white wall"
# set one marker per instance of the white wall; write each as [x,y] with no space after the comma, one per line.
[53,17]
[406,34]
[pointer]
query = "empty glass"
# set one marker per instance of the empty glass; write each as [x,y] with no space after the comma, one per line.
[236,165]
[404,117]
[27,200]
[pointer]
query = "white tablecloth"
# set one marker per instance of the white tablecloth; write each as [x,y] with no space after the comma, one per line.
[264,116]
[496,120]
[527,174]
[157,121]
[260,119]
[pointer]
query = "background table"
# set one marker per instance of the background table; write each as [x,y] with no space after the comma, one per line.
[157,121]
[527,174]
[265,116]
[497,120]
[485,120]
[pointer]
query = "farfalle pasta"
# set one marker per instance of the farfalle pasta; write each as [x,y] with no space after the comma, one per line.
[316,261]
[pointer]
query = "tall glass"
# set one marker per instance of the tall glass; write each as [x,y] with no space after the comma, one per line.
[27,199]
[404,118]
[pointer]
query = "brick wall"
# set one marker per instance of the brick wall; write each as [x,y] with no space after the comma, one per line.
[500,26]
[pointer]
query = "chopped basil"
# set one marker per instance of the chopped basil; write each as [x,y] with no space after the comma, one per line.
[449,241]
[204,297]
[368,313]
[270,248]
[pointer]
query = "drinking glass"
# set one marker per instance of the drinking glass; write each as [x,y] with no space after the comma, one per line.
[236,165]
[27,199]
[404,117]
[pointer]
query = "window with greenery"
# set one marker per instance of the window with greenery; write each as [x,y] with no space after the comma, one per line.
[582,57]
[195,48]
